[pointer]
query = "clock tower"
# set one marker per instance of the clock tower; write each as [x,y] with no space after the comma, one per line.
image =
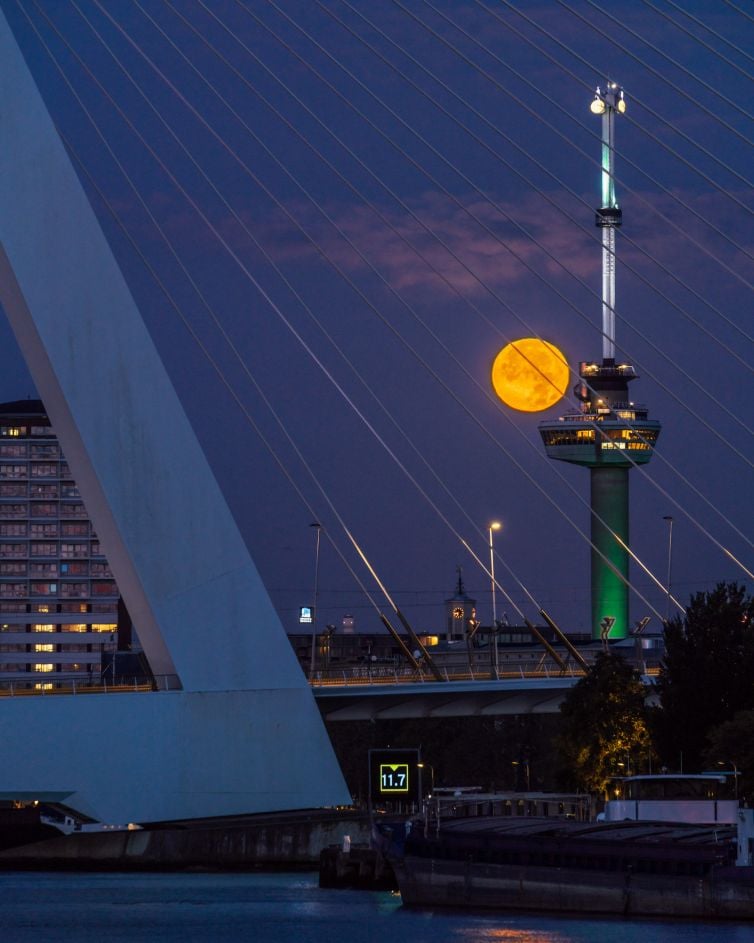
[459,609]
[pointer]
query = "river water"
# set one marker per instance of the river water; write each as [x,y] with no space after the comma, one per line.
[285,908]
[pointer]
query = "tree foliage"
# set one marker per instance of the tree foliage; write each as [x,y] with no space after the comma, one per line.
[707,673]
[604,725]
[731,747]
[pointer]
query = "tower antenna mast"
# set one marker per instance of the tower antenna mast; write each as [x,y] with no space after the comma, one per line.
[609,215]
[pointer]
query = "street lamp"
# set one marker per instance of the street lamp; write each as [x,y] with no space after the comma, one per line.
[317,528]
[527,773]
[431,777]
[670,563]
[494,525]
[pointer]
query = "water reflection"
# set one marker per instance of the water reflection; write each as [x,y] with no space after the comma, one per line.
[511,935]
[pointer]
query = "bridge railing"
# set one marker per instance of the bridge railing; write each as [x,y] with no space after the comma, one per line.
[364,675]
[522,669]
[27,688]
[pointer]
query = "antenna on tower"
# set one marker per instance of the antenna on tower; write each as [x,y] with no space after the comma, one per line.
[609,215]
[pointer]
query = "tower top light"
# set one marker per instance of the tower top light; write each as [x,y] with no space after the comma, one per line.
[612,98]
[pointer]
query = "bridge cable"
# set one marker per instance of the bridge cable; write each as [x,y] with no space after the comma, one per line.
[523,262]
[531,158]
[698,39]
[304,462]
[625,28]
[702,421]
[673,195]
[355,248]
[728,553]
[442,242]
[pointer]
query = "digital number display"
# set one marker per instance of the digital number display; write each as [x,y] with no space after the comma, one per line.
[394,777]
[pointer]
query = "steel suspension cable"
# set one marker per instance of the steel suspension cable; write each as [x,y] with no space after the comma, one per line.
[182,99]
[363,419]
[355,248]
[688,32]
[725,550]
[669,193]
[738,9]
[516,255]
[213,362]
[403,341]
[542,193]
[396,232]
[627,29]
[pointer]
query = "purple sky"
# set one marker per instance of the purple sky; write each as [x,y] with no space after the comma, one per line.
[516,258]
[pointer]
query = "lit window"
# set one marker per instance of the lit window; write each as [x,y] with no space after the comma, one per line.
[43,628]
[47,686]
[104,627]
[44,469]
[13,471]
[43,669]
[44,648]
[13,510]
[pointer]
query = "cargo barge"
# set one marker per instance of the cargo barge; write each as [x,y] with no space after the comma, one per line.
[619,866]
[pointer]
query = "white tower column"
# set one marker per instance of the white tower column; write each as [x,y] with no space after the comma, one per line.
[206,622]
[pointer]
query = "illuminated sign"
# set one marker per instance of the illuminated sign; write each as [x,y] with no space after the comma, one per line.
[305,614]
[394,774]
[394,777]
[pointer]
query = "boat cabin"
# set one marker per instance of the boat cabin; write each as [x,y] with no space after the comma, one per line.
[704,798]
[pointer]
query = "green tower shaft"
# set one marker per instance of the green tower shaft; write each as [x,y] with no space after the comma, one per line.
[609,535]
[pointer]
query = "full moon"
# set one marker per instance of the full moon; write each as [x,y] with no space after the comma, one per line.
[530,375]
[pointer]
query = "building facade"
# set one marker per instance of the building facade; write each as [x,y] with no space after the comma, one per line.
[58,598]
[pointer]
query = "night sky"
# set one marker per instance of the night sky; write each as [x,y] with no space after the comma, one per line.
[372,200]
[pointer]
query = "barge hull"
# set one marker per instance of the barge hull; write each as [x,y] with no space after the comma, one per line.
[428,882]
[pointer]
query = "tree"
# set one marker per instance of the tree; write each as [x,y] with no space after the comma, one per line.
[731,747]
[604,725]
[707,674]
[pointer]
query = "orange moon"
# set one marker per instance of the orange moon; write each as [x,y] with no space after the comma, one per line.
[530,375]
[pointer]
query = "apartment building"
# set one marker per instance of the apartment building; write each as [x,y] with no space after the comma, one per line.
[58,598]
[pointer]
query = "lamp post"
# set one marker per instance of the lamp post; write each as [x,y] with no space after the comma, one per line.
[493,526]
[670,563]
[735,774]
[527,773]
[423,766]
[317,528]
[431,769]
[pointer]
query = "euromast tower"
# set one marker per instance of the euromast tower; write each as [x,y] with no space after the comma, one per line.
[609,433]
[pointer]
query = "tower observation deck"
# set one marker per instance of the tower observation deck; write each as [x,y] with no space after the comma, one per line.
[610,432]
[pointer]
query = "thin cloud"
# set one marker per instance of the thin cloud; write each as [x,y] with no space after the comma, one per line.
[472,246]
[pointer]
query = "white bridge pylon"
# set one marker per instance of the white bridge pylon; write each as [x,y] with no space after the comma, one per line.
[238,730]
